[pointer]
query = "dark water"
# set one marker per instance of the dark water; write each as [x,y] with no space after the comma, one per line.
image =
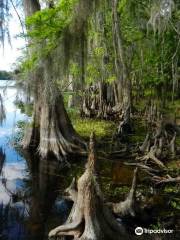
[28,187]
[31,189]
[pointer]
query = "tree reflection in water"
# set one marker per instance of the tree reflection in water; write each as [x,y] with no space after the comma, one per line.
[46,183]
[28,186]
[2,111]
[2,159]
[25,215]
[12,209]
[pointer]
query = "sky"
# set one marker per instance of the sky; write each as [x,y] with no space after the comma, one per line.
[8,58]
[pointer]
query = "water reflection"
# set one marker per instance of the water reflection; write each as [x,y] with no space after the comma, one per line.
[2,111]
[2,159]
[28,187]
[45,185]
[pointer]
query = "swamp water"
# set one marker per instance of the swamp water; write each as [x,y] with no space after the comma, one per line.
[31,190]
[28,191]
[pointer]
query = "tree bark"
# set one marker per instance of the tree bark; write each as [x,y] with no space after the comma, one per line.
[51,131]
[30,7]
[128,208]
[124,83]
[90,218]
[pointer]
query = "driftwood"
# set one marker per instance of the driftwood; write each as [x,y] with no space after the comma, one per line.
[90,218]
[164,180]
[151,156]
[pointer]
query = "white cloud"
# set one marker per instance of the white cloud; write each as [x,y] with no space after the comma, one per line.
[5,132]
[13,171]
[5,198]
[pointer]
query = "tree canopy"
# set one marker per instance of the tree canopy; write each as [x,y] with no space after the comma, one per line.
[114,61]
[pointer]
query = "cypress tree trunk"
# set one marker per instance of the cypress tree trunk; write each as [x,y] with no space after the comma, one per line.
[30,7]
[90,218]
[51,130]
[124,83]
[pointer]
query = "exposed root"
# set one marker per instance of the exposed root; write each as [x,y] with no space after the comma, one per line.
[164,180]
[128,207]
[151,156]
[98,102]
[90,218]
[146,144]
[157,146]
[51,131]
[172,146]
[142,166]
[124,127]
[71,191]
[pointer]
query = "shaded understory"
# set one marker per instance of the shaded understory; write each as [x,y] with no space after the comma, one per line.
[39,206]
[160,202]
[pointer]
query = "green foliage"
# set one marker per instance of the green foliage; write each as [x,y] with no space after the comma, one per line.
[50,22]
[45,27]
[85,127]
[19,134]
[101,128]
[115,193]
[171,189]
[4,75]
[93,73]
[175,203]
[157,226]
[150,56]
[129,27]
[122,5]
[28,63]
[111,79]
[26,108]
[21,124]
[74,70]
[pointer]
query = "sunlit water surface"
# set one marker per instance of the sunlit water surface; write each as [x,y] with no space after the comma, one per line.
[27,191]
